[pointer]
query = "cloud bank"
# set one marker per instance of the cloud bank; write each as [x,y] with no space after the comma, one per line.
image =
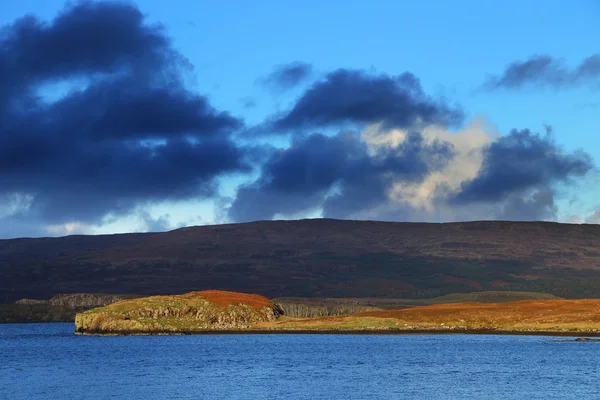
[125,132]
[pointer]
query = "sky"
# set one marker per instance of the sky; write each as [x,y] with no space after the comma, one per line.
[152,115]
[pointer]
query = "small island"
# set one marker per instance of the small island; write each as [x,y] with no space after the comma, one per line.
[216,311]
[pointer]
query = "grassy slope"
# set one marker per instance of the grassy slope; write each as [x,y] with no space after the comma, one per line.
[560,316]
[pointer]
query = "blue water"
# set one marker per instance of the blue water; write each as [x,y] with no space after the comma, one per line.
[46,361]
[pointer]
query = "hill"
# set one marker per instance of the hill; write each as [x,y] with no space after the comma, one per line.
[188,313]
[312,258]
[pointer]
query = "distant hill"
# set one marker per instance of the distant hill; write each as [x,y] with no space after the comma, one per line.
[312,258]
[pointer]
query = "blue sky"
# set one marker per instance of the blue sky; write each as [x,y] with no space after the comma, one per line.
[453,48]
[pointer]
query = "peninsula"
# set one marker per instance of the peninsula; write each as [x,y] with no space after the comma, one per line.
[230,312]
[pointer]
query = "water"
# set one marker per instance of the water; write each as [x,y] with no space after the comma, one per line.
[46,361]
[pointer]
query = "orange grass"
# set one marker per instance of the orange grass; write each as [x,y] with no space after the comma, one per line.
[559,316]
[526,311]
[223,298]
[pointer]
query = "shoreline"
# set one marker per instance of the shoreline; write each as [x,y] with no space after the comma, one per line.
[352,332]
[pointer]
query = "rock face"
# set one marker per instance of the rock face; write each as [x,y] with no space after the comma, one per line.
[193,312]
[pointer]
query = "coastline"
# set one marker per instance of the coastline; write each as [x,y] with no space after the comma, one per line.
[221,312]
[353,332]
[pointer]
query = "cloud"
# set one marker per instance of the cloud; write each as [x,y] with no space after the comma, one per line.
[594,218]
[354,96]
[468,146]
[544,70]
[285,77]
[159,224]
[519,161]
[124,130]
[337,173]
[402,175]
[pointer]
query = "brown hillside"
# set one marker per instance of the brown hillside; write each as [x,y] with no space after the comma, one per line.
[312,258]
[546,316]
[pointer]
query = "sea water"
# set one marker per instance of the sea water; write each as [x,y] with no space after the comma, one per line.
[47,361]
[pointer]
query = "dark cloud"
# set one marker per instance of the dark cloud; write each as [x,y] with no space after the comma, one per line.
[537,205]
[285,77]
[344,178]
[351,96]
[338,173]
[126,132]
[544,70]
[522,161]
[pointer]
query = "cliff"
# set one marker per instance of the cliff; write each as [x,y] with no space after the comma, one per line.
[193,312]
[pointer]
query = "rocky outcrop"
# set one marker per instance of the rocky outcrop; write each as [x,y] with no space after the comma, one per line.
[194,312]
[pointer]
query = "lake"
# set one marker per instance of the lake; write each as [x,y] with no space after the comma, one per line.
[46,361]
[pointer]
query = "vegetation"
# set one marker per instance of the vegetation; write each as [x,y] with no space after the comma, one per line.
[315,309]
[319,307]
[529,316]
[210,311]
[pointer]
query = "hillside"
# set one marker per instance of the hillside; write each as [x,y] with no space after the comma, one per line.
[312,258]
[527,316]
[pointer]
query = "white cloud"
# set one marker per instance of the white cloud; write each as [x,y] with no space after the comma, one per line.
[594,218]
[70,228]
[468,145]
